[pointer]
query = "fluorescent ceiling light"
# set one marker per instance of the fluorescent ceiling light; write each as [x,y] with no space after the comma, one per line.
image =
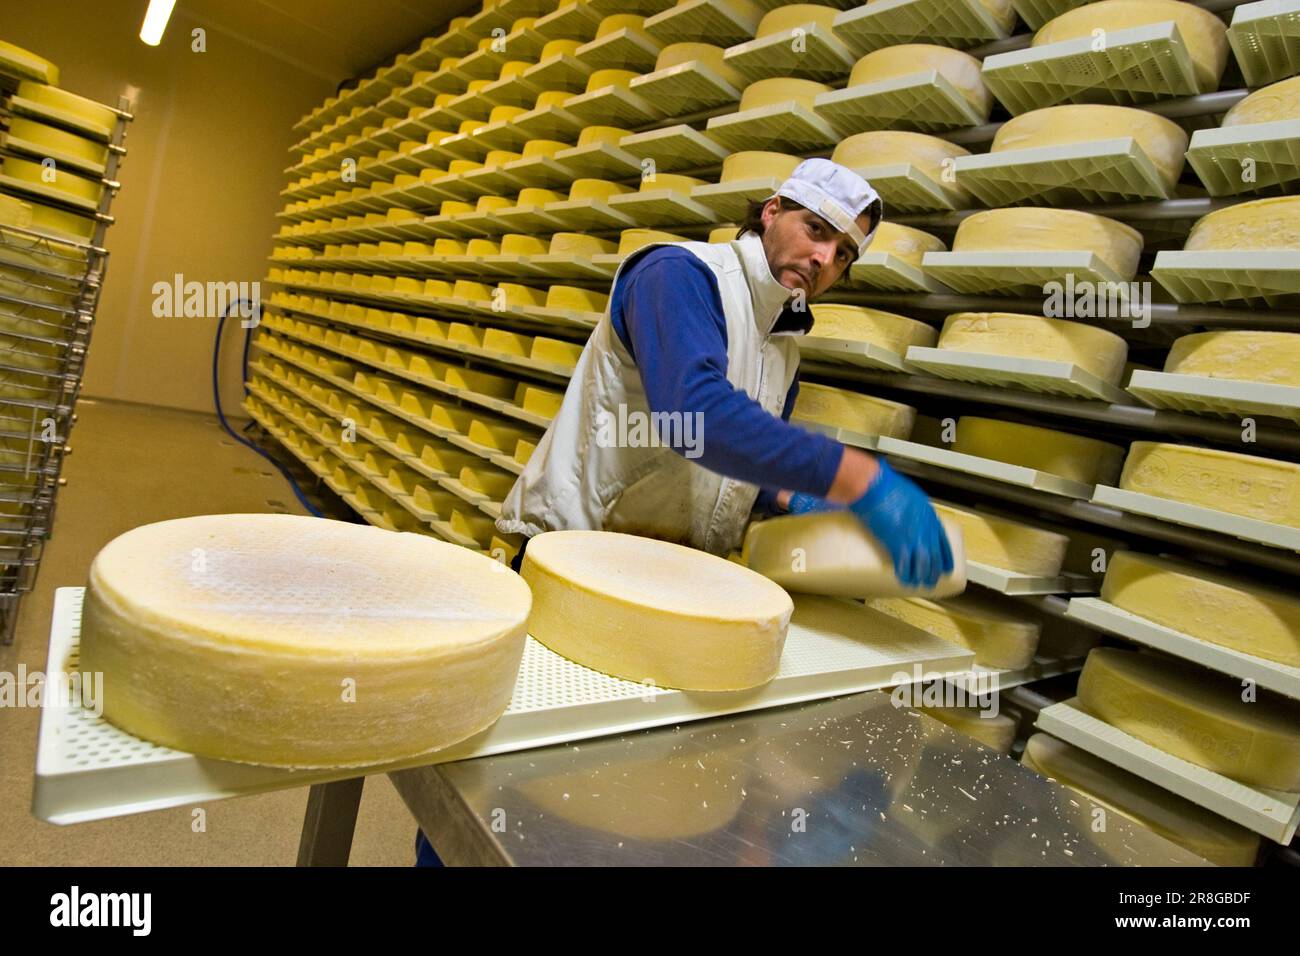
[155,21]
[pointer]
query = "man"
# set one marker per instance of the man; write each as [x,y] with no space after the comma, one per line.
[704,334]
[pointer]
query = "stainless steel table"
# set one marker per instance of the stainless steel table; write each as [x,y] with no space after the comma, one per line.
[852,780]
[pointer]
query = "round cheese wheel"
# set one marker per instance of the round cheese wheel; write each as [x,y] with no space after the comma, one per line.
[780,89]
[1260,224]
[997,230]
[602,134]
[300,642]
[551,99]
[619,21]
[671,181]
[632,239]
[1163,140]
[1244,356]
[706,54]
[585,188]
[960,69]
[561,47]
[1203,33]
[1278,101]
[602,78]
[648,610]
[1043,449]
[1096,350]
[861,324]
[543,147]
[757,164]
[930,154]
[906,243]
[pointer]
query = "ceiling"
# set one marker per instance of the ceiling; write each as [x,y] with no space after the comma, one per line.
[333,39]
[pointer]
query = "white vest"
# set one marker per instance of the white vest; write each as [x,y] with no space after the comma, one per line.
[578,479]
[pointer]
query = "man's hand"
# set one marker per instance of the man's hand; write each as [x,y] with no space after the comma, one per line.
[902,519]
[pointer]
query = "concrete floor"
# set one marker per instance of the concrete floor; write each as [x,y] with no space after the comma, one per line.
[131,465]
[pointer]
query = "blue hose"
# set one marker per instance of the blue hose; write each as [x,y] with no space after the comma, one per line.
[221,416]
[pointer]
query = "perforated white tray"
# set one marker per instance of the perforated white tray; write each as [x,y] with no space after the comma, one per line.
[1270,813]
[1196,516]
[1116,620]
[1013,582]
[86,769]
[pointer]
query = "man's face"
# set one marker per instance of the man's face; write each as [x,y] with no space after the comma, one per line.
[804,251]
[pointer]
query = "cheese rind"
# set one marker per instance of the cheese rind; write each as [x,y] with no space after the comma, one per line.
[1266,224]
[841,408]
[1271,357]
[856,323]
[648,610]
[237,637]
[706,54]
[1044,449]
[1032,229]
[960,69]
[865,152]
[1278,101]
[757,164]
[1162,140]
[780,89]
[832,553]
[1203,34]
[1195,714]
[997,732]
[1095,350]
[1228,611]
[1180,821]
[904,242]
[1267,489]
[997,635]
[1006,544]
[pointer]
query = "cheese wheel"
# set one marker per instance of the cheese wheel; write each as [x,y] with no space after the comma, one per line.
[473,525]
[632,239]
[481,247]
[1177,820]
[832,553]
[648,610]
[1051,230]
[960,69]
[496,435]
[1044,449]
[1162,140]
[238,637]
[841,408]
[1220,609]
[540,401]
[581,245]
[559,47]
[578,299]
[504,114]
[88,111]
[507,343]
[57,140]
[906,243]
[757,164]
[516,294]
[1278,101]
[1204,34]
[591,135]
[543,147]
[552,99]
[1270,357]
[795,16]
[619,21]
[1094,350]
[483,383]
[1264,488]
[513,68]
[1009,545]
[465,334]
[524,450]
[493,203]
[997,633]
[25,65]
[450,247]
[1272,224]
[601,189]
[555,351]
[517,244]
[724,234]
[468,289]
[494,484]
[996,731]
[616,78]
[1195,714]
[857,323]
[670,181]
[780,89]
[447,459]
[53,177]
[537,196]
[865,152]
[57,222]
[705,54]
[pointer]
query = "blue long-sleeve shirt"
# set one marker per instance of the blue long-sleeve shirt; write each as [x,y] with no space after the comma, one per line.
[667,311]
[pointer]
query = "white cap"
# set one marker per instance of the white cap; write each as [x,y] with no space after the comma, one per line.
[834,192]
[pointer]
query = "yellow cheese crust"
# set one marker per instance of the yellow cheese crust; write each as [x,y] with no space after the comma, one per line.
[1095,350]
[1044,449]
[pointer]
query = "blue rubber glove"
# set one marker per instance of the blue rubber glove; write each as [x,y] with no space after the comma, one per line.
[901,517]
[802,503]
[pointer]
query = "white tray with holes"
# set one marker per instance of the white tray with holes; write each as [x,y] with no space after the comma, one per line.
[1196,516]
[986,468]
[1270,675]
[1214,276]
[1203,395]
[1019,271]
[1265,39]
[614,105]
[685,88]
[1270,813]
[956,23]
[1272,150]
[909,187]
[692,20]
[889,273]
[815,53]
[1035,13]
[86,769]
[1017,583]
[1010,371]
[1106,170]
[674,147]
[1136,65]
[849,352]
[788,127]
[730,200]
[924,101]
